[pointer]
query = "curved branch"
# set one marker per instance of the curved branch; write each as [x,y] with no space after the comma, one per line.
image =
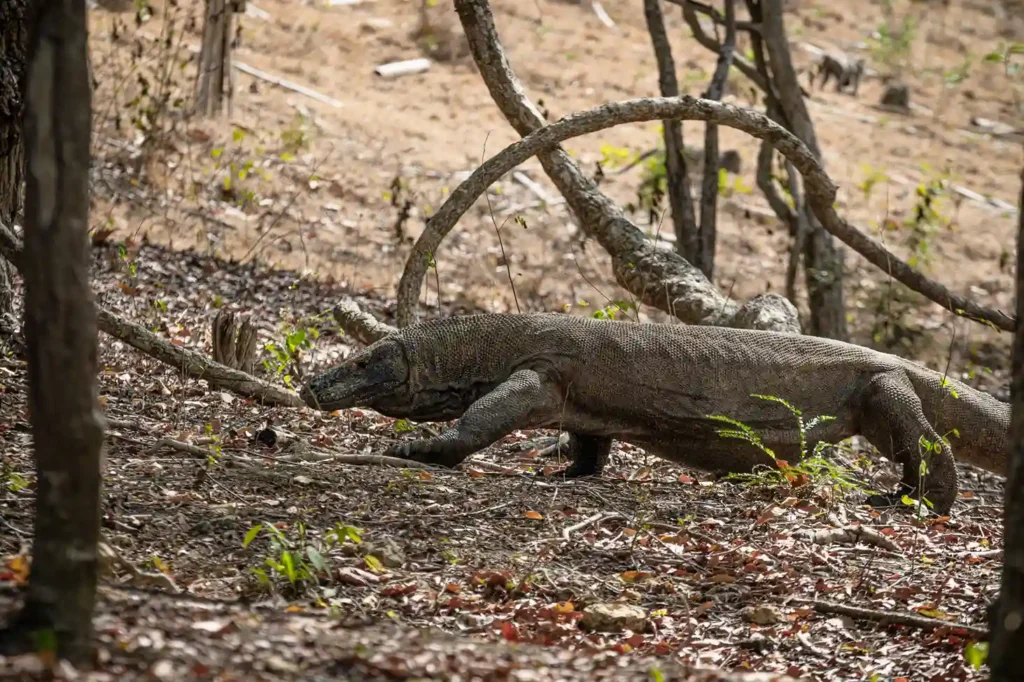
[819,189]
[359,324]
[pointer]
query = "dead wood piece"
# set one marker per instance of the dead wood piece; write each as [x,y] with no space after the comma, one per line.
[109,557]
[287,84]
[380,460]
[886,617]
[234,341]
[589,521]
[180,446]
[195,364]
[849,535]
[359,324]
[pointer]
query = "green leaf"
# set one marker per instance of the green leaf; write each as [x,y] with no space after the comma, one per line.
[216,152]
[287,156]
[251,534]
[289,566]
[976,653]
[373,563]
[317,559]
[238,135]
[404,426]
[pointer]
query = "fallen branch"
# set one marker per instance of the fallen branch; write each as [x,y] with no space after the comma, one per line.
[887,617]
[188,361]
[194,450]
[589,521]
[380,460]
[819,189]
[359,324]
[849,535]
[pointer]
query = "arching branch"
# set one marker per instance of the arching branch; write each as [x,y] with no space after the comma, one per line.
[819,188]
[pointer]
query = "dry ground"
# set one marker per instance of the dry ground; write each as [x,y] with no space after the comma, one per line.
[487,555]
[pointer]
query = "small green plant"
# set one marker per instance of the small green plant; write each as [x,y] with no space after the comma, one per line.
[872,177]
[1004,56]
[893,41]
[813,468]
[297,558]
[296,137]
[286,356]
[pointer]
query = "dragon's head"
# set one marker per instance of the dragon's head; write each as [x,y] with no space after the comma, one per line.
[373,376]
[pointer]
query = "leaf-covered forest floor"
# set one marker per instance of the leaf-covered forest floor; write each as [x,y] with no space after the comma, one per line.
[311,199]
[487,553]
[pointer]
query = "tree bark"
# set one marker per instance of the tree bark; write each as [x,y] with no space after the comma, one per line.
[1007,636]
[12,159]
[60,326]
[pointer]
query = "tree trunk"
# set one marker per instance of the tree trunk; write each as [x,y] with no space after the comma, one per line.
[214,81]
[1007,650]
[677,176]
[12,175]
[823,262]
[60,327]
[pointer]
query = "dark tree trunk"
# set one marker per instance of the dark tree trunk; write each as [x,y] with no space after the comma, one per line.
[60,327]
[677,177]
[823,261]
[1007,650]
[12,159]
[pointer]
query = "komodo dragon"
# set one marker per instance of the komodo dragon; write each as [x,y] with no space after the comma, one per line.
[654,385]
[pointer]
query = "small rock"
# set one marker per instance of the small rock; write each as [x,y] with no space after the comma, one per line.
[388,551]
[896,95]
[278,665]
[162,670]
[614,617]
[757,643]
[302,480]
[765,614]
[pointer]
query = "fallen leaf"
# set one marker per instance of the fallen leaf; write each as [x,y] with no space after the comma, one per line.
[536,516]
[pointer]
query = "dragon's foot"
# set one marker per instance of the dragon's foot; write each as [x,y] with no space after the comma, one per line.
[425,452]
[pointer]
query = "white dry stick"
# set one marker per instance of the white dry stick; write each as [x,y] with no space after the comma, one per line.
[287,84]
[601,14]
[403,68]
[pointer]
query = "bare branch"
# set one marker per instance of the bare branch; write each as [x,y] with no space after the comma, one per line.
[677,178]
[706,41]
[820,189]
[709,186]
[189,361]
[716,16]
[359,324]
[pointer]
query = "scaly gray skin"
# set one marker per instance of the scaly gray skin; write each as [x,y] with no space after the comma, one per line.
[653,385]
